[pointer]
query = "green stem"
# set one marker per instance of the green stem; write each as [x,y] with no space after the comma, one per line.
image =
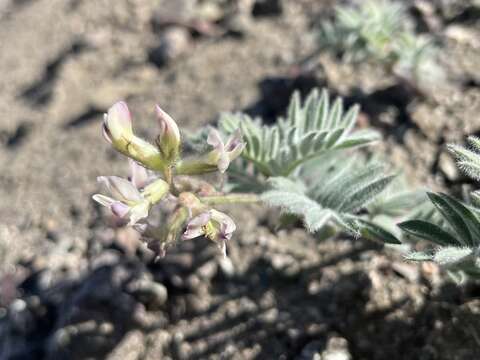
[230,199]
[167,173]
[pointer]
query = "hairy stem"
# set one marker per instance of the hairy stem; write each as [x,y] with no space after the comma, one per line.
[168,175]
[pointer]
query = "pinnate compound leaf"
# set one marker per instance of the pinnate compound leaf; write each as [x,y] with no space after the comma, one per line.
[310,130]
[296,203]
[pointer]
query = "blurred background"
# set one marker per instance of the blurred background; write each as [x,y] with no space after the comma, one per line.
[74,286]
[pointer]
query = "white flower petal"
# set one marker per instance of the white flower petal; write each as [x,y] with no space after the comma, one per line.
[103,200]
[121,189]
[138,174]
[200,220]
[214,139]
[192,233]
[195,226]
[120,209]
[227,225]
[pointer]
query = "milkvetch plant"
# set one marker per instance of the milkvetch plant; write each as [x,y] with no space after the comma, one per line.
[303,164]
[307,164]
[380,31]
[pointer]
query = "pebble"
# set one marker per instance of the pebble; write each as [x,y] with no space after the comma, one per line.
[448,167]
[463,35]
[174,42]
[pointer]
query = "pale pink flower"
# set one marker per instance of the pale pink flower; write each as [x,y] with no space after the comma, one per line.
[224,153]
[126,200]
[139,176]
[214,225]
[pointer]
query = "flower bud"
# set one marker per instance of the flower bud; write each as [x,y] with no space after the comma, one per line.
[168,141]
[117,124]
[117,130]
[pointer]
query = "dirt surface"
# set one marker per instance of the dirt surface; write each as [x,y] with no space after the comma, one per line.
[72,287]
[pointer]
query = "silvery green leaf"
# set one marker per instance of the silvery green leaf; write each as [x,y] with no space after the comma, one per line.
[311,129]
[467,160]
[285,184]
[451,255]
[450,212]
[458,276]
[372,231]
[397,203]
[366,193]
[292,202]
[337,195]
[429,231]
[419,256]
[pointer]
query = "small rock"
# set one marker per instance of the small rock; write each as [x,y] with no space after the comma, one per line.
[267,8]
[311,351]
[180,10]
[131,347]
[314,287]
[448,167]
[294,333]
[337,349]
[209,11]
[174,42]
[408,271]
[149,292]
[427,10]
[208,270]
[20,318]
[463,35]
[270,316]
[106,258]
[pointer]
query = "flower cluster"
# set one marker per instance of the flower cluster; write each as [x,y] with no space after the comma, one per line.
[159,174]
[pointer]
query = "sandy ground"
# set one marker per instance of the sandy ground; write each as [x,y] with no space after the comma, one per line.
[75,289]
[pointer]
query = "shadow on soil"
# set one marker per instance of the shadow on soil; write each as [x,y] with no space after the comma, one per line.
[58,315]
